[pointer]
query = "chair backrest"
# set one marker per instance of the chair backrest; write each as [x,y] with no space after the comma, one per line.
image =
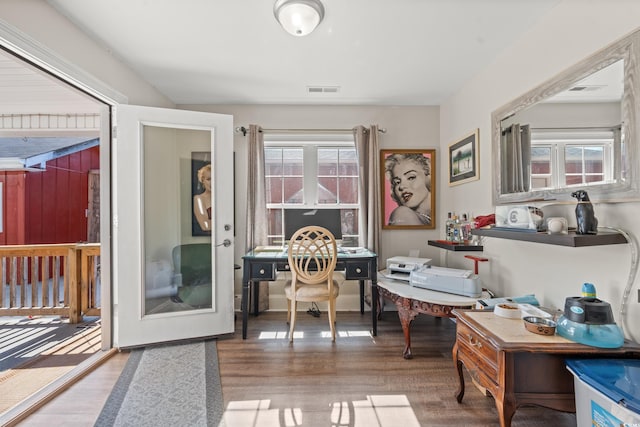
[312,254]
[193,261]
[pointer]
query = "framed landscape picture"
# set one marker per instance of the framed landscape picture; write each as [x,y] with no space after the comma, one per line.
[408,188]
[464,160]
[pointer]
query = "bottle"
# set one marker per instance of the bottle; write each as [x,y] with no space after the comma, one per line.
[465,230]
[456,230]
[448,231]
[475,239]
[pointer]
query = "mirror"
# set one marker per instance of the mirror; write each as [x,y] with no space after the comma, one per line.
[575,131]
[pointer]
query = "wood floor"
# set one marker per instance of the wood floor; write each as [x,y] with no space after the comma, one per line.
[358,381]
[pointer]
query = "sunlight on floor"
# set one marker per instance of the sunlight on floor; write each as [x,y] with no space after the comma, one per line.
[375,411]
[280,335]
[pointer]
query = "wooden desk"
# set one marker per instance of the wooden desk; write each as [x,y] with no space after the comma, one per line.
[519,367]
[412,301]
[263,265]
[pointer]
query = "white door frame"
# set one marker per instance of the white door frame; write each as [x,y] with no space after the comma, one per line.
[152,216]
[44,58]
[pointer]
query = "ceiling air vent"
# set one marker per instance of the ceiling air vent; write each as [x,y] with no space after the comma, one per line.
[323,89]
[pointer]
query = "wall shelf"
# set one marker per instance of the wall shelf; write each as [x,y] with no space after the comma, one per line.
[572,239]
[456,247]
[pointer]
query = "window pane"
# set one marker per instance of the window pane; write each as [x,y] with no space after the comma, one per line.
[275,226]
[293,190]
[327,190]
[273,161]
[334,174]
[573,159]
[574,179]
[593,159]
[540,181]
[348,162]
[541,160]
[293,161]
[348,190]
[349,222]
[327,161]
[274,189]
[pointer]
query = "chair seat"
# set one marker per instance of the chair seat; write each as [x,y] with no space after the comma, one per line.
[311,292]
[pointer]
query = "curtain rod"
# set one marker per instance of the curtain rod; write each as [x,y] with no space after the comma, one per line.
[244,130]
[580,128]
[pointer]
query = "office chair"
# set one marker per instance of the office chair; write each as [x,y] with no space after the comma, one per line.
[312,258]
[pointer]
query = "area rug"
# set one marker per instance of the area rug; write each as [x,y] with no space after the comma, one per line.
[167,385]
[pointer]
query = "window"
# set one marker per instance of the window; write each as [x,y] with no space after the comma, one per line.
[312,172]
[576,158]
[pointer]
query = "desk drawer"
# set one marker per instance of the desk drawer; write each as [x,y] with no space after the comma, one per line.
[357,270]
[263,271]
[283,266]
[485,355]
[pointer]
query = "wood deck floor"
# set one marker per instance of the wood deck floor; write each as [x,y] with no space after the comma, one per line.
[358,381]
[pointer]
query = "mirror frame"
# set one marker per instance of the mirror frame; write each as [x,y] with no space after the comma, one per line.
[627,49]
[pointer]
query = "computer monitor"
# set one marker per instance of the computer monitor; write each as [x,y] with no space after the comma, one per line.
[294,219]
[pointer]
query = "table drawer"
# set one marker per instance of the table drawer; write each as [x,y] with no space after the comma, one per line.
[485,355]
[263,271]
[357,270]
[283,266]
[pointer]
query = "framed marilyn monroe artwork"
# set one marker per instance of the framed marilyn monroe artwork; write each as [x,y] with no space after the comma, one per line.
[201,220]
[408,188]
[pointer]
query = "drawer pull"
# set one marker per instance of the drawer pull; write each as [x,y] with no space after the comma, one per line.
[358,270]
[262,271]
[474,342]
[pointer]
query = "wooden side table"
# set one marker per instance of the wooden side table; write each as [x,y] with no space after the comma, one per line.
[519,367]
[412,301]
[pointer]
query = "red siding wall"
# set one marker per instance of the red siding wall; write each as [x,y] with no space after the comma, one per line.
[13,208]
[48,207]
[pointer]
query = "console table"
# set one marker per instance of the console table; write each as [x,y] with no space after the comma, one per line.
[412,301]
[262,266]
[519,367]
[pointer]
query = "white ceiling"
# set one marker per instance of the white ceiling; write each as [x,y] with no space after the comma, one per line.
[378,52]
[27,90]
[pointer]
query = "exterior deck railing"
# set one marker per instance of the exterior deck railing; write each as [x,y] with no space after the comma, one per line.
[58,279]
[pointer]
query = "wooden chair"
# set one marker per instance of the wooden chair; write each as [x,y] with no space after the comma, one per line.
[312,258]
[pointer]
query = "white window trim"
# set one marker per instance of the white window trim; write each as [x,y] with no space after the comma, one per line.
[309,143]
[560,140]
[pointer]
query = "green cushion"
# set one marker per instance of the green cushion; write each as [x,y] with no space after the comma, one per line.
[196,296]
[193,262]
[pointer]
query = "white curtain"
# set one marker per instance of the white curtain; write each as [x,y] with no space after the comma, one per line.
[370,224]
[515,145]
[366,141]
[257,218]
[257,222]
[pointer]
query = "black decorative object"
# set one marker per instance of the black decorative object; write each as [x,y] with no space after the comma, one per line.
[587,223]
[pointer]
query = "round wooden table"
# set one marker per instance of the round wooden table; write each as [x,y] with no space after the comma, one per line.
[412,301]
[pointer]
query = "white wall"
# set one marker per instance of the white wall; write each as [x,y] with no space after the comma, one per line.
[569,33]
[40,22]
[406,127]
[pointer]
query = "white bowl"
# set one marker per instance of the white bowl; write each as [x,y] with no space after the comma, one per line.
[508,310]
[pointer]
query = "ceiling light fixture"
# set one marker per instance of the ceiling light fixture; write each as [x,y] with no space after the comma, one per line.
[298,17]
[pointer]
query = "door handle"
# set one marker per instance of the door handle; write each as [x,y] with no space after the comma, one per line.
[226,243]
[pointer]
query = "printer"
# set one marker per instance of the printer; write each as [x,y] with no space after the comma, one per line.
[400,267]
[450,280]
